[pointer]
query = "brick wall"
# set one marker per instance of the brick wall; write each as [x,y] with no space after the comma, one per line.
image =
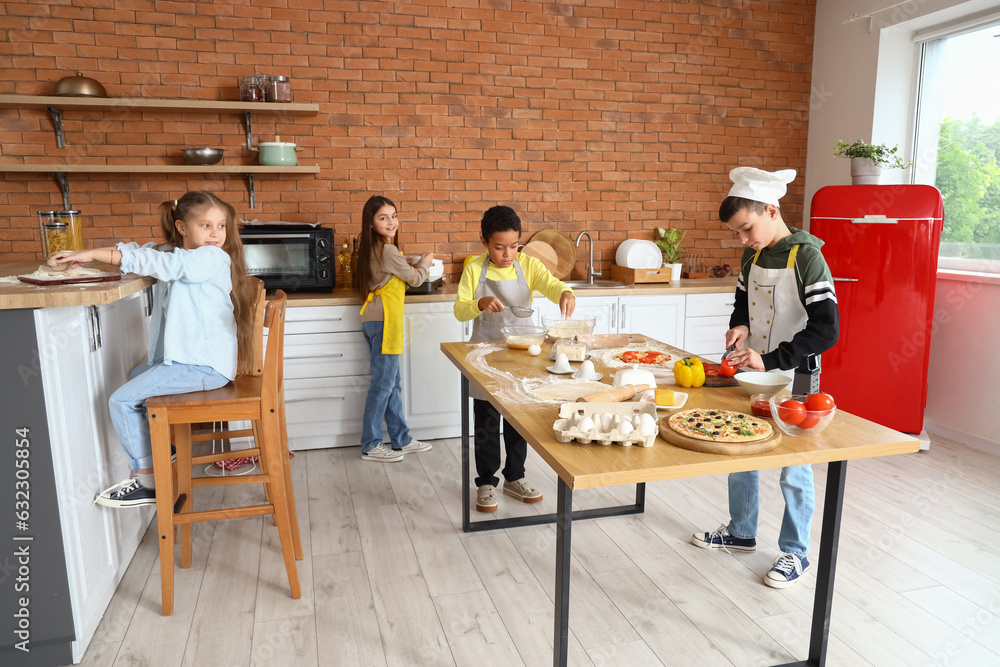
[612,116]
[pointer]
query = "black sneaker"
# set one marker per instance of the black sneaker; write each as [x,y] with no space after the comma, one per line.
[130,493]
[721,539]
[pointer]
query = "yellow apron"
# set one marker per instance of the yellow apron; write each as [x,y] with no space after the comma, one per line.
[393,294]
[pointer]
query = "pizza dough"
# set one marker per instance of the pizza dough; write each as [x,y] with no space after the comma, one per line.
[719,425]
[563,391]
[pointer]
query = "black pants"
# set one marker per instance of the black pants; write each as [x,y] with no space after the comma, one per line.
[487,443]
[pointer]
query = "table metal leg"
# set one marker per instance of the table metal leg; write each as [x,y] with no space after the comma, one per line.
[564,552]
[466,520]
[826,570]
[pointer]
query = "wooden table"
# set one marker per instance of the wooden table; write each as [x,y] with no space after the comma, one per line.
[590,466]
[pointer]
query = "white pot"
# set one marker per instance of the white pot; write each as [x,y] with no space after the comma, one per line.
[675,271]
[864,171]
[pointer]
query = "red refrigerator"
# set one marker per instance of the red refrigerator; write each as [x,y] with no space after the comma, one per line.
[881,242]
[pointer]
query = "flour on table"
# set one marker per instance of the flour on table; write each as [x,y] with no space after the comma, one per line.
[10,279]
[560,390]
[44,271]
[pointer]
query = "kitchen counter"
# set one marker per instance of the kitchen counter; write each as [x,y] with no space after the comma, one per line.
[26,295]
[342,297]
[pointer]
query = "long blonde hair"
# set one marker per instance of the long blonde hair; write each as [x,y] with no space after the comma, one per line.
[244,294]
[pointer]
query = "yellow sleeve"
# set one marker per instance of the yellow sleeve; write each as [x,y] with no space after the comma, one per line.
[540,279]
[466,304]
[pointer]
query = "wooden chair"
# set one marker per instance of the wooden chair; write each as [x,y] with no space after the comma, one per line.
[255,398]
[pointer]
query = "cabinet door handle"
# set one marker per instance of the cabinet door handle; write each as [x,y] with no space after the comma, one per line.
[149,301]
[96,341]
[614,314]
[621,320]
[315,398]
[329,355]
[320,319]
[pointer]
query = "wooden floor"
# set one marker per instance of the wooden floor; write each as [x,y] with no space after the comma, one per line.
[390,579]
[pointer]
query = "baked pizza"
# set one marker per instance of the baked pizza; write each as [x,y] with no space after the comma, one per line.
[650,357]
[719,425]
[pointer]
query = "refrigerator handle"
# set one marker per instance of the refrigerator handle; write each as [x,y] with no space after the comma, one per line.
[845,280]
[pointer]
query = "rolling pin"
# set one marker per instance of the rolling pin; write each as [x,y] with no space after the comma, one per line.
[616,395]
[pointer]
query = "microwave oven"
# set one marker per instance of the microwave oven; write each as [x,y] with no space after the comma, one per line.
[290,257]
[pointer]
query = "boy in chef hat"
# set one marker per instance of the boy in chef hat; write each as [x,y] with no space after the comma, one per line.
[786,309]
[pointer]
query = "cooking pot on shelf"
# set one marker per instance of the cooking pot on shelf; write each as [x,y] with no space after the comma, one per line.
[79,86]
[277,153]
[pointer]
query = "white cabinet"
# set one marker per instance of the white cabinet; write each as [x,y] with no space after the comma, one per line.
[659,316]
[706,323]
[326,376]
[87,352]
[431,383]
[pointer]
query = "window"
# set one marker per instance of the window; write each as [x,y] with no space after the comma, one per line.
[958,141]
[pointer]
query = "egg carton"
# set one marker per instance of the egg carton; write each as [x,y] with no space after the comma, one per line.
[567,427]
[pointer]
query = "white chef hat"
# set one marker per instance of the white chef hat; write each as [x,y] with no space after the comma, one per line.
[760,185]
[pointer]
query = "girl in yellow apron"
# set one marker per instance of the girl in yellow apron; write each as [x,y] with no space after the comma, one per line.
[381,280]
[786,309]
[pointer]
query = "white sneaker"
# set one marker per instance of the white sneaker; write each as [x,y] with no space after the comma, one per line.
[382,453]
[414,446]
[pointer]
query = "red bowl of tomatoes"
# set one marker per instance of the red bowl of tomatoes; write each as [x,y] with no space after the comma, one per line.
[800,415]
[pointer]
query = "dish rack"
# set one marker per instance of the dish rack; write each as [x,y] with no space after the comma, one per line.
[567,426]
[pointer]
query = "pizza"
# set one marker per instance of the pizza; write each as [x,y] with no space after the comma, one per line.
[650,357]
[719,425]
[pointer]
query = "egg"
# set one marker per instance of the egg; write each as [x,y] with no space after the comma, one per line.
[606,419]
[646,418]
[585,425]
[587,367]
[626,428]
[647,428]
[534,349]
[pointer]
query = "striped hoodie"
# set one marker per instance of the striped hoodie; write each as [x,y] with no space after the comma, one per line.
[815,286]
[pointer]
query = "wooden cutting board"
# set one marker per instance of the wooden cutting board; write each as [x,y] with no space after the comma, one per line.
[727,448]
[720,381]
[71,280]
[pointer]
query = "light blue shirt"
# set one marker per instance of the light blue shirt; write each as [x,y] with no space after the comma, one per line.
[193,321]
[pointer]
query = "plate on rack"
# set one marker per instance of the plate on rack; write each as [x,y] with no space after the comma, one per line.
[680,399]
[639,254]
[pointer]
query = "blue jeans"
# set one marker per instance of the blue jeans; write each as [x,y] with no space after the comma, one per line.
[800,500]
[384,398]
[128,404]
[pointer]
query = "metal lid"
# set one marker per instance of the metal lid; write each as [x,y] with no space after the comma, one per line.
[55,224]
[48,214]
[279,79]
[75,212]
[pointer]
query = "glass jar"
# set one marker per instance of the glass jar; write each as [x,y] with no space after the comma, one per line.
[72,218]
[43,217]
[278,89]
[55,237]
[251,89]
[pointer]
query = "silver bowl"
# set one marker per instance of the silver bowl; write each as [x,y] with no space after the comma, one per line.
[202,155]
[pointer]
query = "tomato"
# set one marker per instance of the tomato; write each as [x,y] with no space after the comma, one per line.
[791,412]
[711,370]
[809,421]
[820,401]
[727,368]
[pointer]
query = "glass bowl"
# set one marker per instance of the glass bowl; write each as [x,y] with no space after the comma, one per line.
[558,326]
[521,337]
[807,422]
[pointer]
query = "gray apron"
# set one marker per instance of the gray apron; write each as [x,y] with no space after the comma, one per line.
[510,293]
[776,312]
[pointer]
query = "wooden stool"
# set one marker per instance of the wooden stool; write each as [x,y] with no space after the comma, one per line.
[255,398]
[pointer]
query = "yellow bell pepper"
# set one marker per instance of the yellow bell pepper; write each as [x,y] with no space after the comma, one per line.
[689,372]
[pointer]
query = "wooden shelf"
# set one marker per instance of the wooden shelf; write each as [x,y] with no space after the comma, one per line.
[55,105]
[159,168]
[144,104]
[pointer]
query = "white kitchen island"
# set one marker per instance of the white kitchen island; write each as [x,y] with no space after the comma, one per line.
[65,350]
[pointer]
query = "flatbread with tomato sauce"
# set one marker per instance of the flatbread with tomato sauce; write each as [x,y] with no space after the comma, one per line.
[719,425]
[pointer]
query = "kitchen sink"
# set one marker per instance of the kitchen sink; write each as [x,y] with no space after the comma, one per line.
[597,284]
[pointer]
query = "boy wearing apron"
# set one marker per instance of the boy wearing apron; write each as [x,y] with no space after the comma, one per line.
[502,277]
[786,309]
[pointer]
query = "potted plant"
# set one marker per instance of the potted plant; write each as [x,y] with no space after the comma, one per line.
[867,160]
[669,240]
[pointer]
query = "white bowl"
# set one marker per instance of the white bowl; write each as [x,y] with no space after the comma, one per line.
[755,382]
[634,375]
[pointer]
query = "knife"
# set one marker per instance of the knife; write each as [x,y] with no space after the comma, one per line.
[729,351]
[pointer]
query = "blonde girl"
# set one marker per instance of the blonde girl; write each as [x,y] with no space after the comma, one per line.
[201,326]
[382,271]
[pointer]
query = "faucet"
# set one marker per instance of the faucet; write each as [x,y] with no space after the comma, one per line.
[591,274]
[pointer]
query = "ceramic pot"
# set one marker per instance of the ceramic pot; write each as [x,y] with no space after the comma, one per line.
[864,171]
